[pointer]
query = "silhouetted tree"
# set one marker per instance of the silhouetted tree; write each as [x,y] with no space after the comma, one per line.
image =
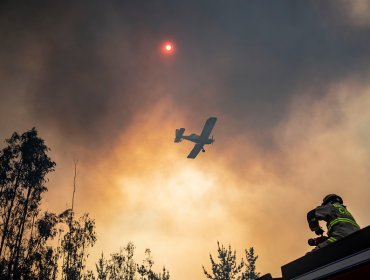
[227,268]
[102,268]
[250,268]
[28,249]
[23,166]
[122,266]
[145,270]
[41,261]
[80,236]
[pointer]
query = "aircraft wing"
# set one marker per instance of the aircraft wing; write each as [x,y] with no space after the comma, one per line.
[195,151]
[208,126]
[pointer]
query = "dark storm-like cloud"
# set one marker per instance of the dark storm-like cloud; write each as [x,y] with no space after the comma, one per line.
[272,53]
[90,75]
[88,68]
[91,66]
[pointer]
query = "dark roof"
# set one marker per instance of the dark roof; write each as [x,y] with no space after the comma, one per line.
[344,257]
[268,277]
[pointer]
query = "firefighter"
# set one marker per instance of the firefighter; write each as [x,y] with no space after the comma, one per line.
[339,221]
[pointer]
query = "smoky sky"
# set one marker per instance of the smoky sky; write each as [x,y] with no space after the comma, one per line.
[86,68]
[288,82]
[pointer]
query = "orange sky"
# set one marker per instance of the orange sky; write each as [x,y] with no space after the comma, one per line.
[289,86]
[146,191]
[143,188]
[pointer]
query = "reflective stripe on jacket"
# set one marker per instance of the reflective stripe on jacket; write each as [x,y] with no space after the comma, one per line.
[339,221]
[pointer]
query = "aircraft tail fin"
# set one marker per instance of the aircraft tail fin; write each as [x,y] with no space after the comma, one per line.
[179,134]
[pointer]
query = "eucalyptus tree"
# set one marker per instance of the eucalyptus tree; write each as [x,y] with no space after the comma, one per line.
[24,164]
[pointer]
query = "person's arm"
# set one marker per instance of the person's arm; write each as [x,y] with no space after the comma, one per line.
[316,215]
[313,222]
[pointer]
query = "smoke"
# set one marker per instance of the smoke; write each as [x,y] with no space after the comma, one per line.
[288,85]
[356,13]
[82,74]
[236,192]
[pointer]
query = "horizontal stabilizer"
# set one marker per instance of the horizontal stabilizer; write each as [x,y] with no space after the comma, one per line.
[179,134]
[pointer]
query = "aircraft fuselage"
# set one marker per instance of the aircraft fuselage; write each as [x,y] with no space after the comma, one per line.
[197,139]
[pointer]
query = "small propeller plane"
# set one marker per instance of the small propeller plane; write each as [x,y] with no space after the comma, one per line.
[199,140]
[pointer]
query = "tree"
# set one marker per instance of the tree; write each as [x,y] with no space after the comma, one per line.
[227,268]
[41,261]
[122,266]
[81,235]
[28,249]
[102,268]
[250,271]
[145,270]
[24,163]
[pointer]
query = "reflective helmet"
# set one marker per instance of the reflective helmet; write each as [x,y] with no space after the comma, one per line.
[331,198]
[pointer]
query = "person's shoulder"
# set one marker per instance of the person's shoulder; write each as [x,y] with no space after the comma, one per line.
[338,205]
[324,207]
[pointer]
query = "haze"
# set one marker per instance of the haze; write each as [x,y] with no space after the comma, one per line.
[288,82]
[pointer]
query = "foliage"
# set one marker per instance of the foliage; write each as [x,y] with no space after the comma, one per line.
[227,268]
[28,245]
[24,163]
[122,266]
[250,269]
[81,235]
[145,270]
[27,249]
[41,261]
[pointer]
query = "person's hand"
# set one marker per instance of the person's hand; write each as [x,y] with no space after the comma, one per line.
[319,231]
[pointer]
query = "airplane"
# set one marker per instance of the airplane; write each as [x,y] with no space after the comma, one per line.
[199,140]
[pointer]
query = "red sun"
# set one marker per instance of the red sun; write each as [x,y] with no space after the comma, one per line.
[168,48]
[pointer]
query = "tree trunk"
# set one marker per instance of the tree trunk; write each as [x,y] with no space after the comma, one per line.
[21,231]
[6,225]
